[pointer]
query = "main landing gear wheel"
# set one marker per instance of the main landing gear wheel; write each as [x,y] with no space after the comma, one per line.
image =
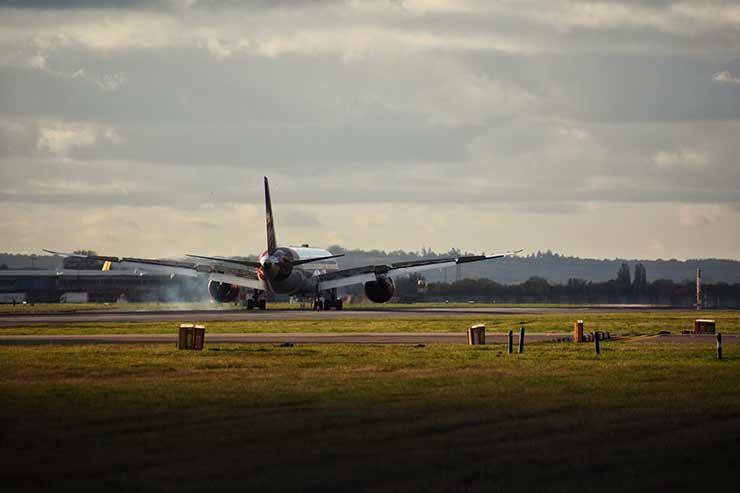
[256,301]
[328,304]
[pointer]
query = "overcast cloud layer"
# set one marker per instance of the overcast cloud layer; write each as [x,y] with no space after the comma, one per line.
[594,128]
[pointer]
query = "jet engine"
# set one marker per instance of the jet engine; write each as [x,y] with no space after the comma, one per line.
[276,266]
[380,290]
[223,292]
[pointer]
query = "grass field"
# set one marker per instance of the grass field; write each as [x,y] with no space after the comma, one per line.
[627,323]
[316,418]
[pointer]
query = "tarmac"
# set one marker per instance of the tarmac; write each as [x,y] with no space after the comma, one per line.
[687,339]
[61,318]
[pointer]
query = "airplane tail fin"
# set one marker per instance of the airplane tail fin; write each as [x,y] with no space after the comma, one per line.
[271,242]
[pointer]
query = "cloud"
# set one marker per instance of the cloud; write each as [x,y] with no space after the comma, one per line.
[260,4]
[157,4]
[725,77]
[297,218]
[684,159]
[75,187]
[102,81]
[109,82]
[554,208]
[666,17]
[574,133]
[366,29]
[80,4]
[375,109]
[39,61]
[61,138]
[699,215]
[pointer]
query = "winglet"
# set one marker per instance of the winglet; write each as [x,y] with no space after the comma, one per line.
[271,242]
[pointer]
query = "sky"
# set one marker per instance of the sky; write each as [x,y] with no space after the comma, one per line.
[593,128]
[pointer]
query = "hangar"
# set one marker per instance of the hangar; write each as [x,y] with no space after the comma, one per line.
[51,286]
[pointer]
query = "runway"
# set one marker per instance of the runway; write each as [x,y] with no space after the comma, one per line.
[15,320]
[688,339]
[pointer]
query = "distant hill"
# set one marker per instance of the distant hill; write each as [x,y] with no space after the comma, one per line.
[554,267]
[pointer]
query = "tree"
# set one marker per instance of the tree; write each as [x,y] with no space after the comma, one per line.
[85,252]
[623,276]
[639,282]
[336,250]
[408,285]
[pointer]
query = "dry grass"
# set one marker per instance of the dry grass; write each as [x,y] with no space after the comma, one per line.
[441,417]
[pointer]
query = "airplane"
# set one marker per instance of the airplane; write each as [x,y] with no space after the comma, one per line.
[298,271]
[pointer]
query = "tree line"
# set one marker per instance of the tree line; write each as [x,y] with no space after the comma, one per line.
[626,288]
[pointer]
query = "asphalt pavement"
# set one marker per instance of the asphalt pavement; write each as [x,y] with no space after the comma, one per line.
[61,318]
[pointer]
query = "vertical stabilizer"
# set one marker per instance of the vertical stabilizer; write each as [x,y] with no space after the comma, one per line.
[271,242]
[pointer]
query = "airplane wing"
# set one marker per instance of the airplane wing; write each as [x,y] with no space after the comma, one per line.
[218,273]
[357,275]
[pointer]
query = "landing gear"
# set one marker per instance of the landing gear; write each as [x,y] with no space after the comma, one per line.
[331,301]
[256,301]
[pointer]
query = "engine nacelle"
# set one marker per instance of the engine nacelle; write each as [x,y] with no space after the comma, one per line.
[223,292]
[276,266]
[379,291]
